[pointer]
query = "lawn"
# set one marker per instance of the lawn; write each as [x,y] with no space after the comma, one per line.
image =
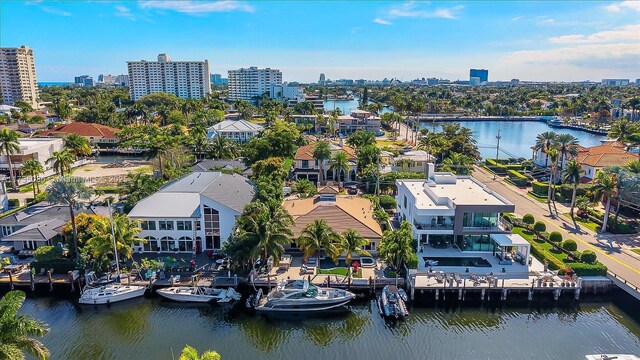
[543,244]
[586,223]
[335,271]
[537,198]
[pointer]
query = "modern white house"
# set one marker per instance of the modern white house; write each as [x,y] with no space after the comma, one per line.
[39,149]
[291,94]
[458,221]
[358,120]
[192,214]
[239,131]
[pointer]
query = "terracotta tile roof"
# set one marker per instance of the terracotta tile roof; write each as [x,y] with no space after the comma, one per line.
[306,152]
[345,213]
[602,160]
[83,129]
[613,147]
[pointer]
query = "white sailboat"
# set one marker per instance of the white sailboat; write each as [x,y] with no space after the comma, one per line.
[199,294]
[114,292]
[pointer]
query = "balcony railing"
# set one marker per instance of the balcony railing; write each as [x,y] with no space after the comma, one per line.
[421,226]
[501,226]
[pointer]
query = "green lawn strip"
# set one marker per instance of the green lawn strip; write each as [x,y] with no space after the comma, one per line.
[335,271]
[543,244]
[586,223]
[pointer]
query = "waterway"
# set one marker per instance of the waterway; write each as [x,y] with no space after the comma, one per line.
[517,137]
[153,328]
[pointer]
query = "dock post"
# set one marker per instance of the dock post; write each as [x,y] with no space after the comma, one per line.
[459,294]
[235,280]
[70,275]
[10,280]
[556,294]
[50,280]
[482,294]
[504,294]
[129,280]
[31,279]
[437,294]
[413,293]
[530,296]
[349,283]
[577,294]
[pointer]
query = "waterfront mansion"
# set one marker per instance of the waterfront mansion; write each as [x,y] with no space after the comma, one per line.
[194,213]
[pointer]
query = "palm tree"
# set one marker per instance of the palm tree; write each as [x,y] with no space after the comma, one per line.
[125,230]
[352,242]
[316,236]
[32,168]
[69,191]
[621,129]
[544,141]
[572,176]
[339,162]
[62,161]
[605,188]
[267,225]
[321,152]
[191,353]
[223,148]
[16,330]
[634,166]
[459,163]
[10,145]
[77,145]
[567,145]
[396,245]
[553,156]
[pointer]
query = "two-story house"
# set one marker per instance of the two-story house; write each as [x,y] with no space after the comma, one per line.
[307,167]
[239,131]
[359,120]
[192,214]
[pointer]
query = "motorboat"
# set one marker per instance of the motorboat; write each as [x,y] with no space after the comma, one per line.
[391,302]
[199,294]
[301,296]
[109,294]
[612,357]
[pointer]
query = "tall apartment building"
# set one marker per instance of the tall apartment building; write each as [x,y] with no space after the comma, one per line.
[18,76]
[250,83]
[83,80]
[482,74]
[122,80]
[185,79]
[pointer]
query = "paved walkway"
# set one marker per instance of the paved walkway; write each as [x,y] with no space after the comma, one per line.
[611,249]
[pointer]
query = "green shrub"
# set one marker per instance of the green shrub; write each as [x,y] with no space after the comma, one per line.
[555,237]
[539,188]
[539,227]
[569,245]
[387,202]
[14,203]
[59,266]
[581,269]
[47,253]
[588,257]
[552,262]
[517,178]
[412,261]
[528,219]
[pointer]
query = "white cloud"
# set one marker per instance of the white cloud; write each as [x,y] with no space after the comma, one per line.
[54,11]
[124,12]
[381,21]
[622,34]
[517,18]
[624,5]
[198,7]
[411,9]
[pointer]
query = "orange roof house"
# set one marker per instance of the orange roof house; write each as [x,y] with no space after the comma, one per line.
[598,157]
[95,133]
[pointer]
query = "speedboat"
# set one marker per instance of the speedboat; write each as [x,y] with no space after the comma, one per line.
[391,302]
[612,357]
[199,294]
[301,296]
[110,294]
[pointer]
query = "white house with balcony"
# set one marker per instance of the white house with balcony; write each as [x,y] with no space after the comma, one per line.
[192,214]
[457,217]
[239,131]
[359,120]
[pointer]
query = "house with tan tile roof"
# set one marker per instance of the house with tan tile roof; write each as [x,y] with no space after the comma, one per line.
[596,158]
[340,213]
[100,135]
[306,167]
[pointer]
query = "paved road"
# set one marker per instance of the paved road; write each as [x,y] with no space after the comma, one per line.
[610,252]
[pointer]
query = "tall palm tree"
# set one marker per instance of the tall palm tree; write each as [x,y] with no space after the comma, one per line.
[16,330]
[61,161]
[125,230]
[572,174]
[223,148]
[553,156]
[77,145]
[634,167]
[396,245]
[267,225]
[544,141]
[191,353]
[339,162]
[605,188]
[352,242]
[321,152]
[69,191]
[317,236]
[567,145]
[32,168]
[621,129]
[9,145]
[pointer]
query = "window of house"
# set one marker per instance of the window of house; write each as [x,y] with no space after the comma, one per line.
[305,164]
[166,225]
[184,225]
[405,201]
[212,228]
[148,225]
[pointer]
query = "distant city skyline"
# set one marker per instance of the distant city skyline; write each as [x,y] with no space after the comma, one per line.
[537,41]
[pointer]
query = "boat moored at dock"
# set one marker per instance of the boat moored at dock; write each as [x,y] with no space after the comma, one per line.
[301,296]
[391,302]
[199,294]
[109,294]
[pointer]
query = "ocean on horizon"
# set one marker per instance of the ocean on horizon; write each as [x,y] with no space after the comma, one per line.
[53,83]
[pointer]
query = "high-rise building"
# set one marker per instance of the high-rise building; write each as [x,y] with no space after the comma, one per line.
[615,82]
[216,79]
[185,79]
[251,83]
[122,80]
[83,80]
[482,74]
[322,80]
[107,79]
[18,76]
[290,93]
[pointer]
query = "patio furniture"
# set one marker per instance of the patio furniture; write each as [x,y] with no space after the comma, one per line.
[285,262]
[13,268]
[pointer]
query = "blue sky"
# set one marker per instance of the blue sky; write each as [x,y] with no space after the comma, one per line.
[548,40]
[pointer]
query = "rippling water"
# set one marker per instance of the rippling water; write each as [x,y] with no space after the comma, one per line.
[152,328]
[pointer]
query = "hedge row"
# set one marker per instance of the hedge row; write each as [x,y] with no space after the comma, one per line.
[540,188]
[59,267]
[517,178]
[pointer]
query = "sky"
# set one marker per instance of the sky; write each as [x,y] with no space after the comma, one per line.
[527,40]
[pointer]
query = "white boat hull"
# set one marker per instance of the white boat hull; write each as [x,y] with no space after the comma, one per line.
[189,294]
[111,294]
[302,309]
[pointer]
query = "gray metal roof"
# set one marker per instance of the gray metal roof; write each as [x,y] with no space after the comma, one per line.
[236,125]
[181,198]
[41,231]
[211,165]
[45,211]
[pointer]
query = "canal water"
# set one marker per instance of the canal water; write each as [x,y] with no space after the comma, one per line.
[153,328]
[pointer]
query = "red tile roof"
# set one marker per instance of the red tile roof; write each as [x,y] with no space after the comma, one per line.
[83,129]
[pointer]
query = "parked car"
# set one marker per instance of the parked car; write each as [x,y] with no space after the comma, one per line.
[352,190]
[23,254]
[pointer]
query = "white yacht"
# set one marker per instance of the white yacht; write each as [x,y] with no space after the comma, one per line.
[199,294]
[110,294]
[301,296]
[612,357]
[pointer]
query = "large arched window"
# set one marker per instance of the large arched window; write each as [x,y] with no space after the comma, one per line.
[151,244]
[185,243]
[167,243]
